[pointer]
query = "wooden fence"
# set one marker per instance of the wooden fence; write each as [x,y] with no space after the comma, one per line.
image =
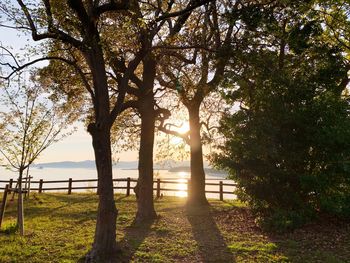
[129,184]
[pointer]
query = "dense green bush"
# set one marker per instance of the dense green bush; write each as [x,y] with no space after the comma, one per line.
[288,145]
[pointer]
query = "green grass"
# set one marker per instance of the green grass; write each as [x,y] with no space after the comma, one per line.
[60,228]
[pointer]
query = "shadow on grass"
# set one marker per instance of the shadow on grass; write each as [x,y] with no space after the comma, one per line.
[211,243]
[323,240]
[58,206]
[134,236]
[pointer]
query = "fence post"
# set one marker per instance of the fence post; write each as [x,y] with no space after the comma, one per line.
[41,182]
[128,186]
[221,191]
[70,186]
[3,204]
[158,188]
[11,183]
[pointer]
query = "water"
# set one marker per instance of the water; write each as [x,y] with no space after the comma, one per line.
[62,174]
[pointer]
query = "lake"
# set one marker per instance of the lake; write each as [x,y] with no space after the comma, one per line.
[53,174]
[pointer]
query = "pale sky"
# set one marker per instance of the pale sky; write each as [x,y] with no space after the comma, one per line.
[77,147]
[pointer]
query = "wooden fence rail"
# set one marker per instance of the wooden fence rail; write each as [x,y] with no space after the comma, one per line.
[128,186]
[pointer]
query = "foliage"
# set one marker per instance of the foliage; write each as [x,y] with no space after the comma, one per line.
[30,121]
[287,146]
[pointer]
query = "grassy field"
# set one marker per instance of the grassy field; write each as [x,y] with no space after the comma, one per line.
[60,228]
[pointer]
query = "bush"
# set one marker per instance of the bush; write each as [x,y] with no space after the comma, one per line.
[288,147]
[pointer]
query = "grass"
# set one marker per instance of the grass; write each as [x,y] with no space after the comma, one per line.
[60,228]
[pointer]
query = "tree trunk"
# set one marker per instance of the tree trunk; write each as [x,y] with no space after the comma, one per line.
[104,246]
[144,187]
[196,191]
[20,210]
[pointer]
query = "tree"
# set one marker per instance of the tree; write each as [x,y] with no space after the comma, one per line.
[287,145]
[335,15]
[194,69]
[76,26]
[152,37]
[30,123]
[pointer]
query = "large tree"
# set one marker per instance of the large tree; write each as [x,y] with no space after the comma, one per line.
[76,26]
[152,36]
[194,68]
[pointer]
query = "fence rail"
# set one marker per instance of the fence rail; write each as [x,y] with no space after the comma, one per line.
[128,186]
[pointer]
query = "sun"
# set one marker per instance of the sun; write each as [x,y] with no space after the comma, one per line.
[183,128]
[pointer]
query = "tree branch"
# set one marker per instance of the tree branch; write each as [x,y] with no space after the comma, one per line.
[53,33]
[71,63]
[112,5]
[191,6]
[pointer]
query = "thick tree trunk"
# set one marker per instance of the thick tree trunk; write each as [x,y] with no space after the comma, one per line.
[104,246]
[196,191]
[144,187]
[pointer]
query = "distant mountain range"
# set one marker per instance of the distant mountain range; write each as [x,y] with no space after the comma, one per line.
[88,164]
[172,166]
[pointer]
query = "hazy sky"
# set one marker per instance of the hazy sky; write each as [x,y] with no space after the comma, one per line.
[78,146]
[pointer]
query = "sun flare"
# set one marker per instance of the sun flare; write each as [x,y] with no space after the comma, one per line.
[182,188]
[183,128]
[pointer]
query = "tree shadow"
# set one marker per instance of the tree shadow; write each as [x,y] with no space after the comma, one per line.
[321,240]
[211,243]
[62,210]
[134,236]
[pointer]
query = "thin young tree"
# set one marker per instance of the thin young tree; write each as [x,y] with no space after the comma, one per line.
[29,123]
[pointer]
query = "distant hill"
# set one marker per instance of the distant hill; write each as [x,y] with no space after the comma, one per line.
[88,164]
[132,165]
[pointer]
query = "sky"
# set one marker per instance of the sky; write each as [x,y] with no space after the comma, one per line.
[77,147]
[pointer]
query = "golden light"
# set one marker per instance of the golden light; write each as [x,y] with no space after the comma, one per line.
[182,174]
[183,128]
[182,187]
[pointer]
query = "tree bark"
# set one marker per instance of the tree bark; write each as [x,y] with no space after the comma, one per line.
[104,246]
[144,187]
[20,210]
[196,191]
